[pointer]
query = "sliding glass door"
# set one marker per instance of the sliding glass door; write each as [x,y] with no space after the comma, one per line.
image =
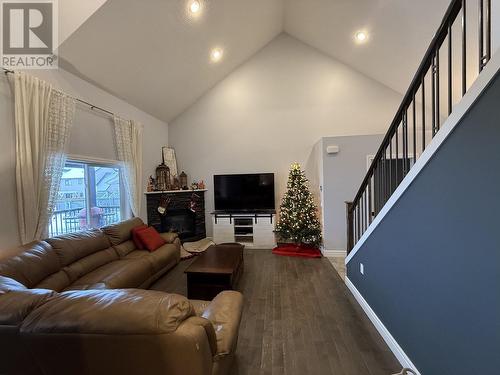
[90,196]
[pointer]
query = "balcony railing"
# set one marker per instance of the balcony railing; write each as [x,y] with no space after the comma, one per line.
[67,221]
[444,76]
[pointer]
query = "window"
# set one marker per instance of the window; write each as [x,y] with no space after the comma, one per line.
[90,196]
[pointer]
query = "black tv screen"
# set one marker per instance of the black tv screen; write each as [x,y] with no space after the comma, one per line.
[244,192]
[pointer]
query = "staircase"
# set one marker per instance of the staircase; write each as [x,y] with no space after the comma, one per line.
[423,229]
[446,73]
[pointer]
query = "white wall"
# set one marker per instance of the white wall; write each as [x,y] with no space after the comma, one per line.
[342,176]
[314,172]
[270,112]
[92,136]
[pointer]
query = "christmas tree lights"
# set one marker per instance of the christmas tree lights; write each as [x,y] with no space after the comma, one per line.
[298,220]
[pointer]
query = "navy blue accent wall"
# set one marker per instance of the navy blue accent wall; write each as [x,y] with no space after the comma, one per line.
[432,266]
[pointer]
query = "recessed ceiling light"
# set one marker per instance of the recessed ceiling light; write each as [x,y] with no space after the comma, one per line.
[361,36]
[195,6]
[216,54]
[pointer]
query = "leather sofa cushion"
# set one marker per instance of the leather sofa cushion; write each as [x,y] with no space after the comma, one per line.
[89,263]
[125,247]
[16,301]
[73,246]
[136,254]
[7,284]
[97,286]
[31,264]
[109,312]
[117,274]
[15,305]
[57,281]
[164,256]
[121,232]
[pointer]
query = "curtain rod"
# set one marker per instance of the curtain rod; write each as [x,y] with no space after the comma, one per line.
[92,106]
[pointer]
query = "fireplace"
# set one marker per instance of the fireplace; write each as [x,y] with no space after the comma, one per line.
[185,213]
[181,221]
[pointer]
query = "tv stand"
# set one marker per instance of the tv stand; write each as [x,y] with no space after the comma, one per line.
[253,229]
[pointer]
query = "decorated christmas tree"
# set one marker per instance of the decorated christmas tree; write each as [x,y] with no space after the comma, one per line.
[298,220]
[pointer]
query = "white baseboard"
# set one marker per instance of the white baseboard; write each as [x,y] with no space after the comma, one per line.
[334,253]
[384,332]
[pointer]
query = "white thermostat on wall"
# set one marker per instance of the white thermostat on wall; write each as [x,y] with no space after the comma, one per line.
[332,149]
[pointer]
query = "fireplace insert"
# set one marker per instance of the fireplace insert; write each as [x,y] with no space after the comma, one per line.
[181,221]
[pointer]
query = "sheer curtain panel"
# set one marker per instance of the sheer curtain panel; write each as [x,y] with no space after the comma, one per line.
[43,120]
[128,138]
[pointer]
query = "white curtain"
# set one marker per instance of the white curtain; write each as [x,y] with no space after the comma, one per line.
[43,120]
[128,138]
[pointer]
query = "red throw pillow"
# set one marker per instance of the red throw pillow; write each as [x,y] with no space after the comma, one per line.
[135,238]
[151,238]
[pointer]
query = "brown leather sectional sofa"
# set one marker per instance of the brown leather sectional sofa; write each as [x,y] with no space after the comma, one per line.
[76,304]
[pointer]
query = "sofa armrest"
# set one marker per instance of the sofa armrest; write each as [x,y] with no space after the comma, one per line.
[224,312]
[170,237]
[119,311]
[209,330]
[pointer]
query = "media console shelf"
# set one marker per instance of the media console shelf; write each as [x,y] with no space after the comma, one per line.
[255,230]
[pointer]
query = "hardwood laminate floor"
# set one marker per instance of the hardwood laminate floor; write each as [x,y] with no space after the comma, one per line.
[299,318]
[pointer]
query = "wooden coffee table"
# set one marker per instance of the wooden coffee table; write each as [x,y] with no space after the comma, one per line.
[217,269]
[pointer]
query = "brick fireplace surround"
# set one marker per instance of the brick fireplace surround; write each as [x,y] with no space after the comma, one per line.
[185,213]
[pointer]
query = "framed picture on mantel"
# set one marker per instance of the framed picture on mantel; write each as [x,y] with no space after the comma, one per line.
[170,160]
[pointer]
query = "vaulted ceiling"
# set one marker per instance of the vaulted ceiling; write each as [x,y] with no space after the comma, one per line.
[155,54]
[399,32]
[73,13]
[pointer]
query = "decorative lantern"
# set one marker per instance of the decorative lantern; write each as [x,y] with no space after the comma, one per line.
[162,175]
[183,179]
[176,185]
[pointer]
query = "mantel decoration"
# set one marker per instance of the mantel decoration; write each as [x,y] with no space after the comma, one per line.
[176,185]
[183,180]
[162,175]
[166,177]
[200,185]
[298,227]
[170,159]
[163,205]
[151,184]
[192,203]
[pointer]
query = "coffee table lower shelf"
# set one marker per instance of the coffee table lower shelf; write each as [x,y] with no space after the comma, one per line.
[206,287]
[218,269]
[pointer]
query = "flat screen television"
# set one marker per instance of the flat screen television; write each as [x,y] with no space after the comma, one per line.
[244,192]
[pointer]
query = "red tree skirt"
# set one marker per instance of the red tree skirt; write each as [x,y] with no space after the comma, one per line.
[293,250]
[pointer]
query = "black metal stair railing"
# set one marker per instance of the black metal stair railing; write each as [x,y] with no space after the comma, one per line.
[444,75]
